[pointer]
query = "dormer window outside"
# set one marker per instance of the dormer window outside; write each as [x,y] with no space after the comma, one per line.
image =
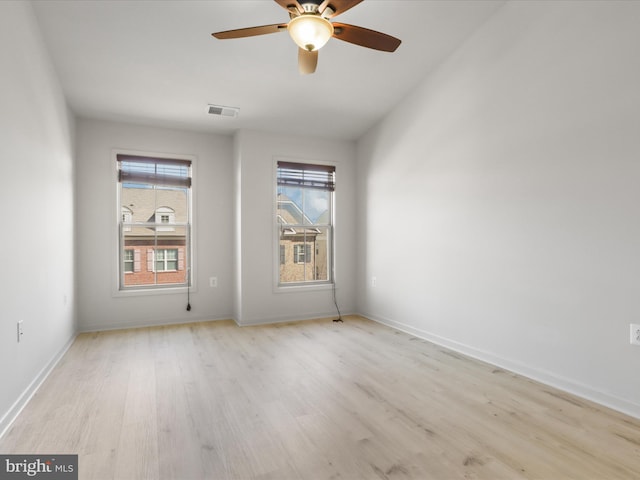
[165,216]
[127,219]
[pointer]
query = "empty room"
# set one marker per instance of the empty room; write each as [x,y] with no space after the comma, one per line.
[320,239]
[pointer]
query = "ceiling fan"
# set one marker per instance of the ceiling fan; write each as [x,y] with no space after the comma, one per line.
[310,27]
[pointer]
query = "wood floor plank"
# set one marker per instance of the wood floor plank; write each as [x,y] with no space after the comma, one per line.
[310,400]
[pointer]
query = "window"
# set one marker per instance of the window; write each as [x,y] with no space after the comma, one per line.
[155,221]
[302,253]
[304,218]
[166,259]
[128,261]
[165,216]
[127,215]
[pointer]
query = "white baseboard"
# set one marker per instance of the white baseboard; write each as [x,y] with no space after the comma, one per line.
[9,417]
[149,323]
[291,318]
[547,378]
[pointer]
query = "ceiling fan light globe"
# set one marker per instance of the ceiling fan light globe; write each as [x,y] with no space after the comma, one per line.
[310,32]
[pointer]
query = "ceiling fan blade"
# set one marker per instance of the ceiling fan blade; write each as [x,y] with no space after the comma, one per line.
[338,6]
[307,61]
[365,37]
[290,5]
[251,31]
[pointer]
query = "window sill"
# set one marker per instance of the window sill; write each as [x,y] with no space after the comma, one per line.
[301,287]
[150,291]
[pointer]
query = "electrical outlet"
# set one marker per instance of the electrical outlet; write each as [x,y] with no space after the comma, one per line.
[213,282]
[20,331]
[635,334]
[374,281]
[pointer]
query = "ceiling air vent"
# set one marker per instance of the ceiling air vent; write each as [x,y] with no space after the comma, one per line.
[223,111]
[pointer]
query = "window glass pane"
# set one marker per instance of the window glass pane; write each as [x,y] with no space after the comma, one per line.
[137,239]
[309,258]
[304,206]
[144,201]
[304,217]
[173,245]
[320,253]
[171,257]
[155,223]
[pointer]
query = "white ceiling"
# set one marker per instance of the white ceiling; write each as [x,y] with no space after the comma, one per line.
[155,62]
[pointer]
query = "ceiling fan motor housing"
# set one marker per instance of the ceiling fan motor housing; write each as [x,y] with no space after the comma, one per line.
[310,31]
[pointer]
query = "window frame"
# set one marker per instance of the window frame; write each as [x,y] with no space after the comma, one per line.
[291,287]
[118,289]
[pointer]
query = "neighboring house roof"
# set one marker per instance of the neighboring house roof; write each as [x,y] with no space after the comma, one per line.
[290,214]
[323,218]
[143,203]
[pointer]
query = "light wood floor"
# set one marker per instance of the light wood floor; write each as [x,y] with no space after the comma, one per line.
[310,400]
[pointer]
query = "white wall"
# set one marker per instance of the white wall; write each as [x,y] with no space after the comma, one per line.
[499,203]
[257,302]
[37,198]
[237,231]
[234,198]
[98,306]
